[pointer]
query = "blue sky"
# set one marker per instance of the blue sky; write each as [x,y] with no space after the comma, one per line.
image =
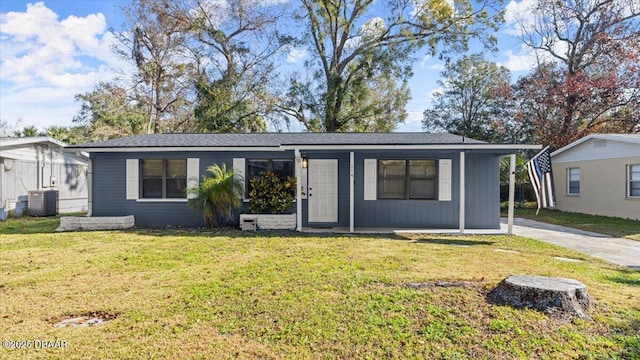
[52,50]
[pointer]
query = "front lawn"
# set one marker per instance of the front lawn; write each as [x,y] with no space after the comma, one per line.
[229,294]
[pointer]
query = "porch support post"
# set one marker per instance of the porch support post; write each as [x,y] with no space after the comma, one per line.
[512,192]
[351,192]
[90,187]
[298,173]
[462,195]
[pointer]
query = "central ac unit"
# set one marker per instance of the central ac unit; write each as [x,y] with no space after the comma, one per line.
[43,202]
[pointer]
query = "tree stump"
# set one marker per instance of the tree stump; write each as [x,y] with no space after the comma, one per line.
[556,297]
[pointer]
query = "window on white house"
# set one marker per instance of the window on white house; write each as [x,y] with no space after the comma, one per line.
[634,180]
[163,178]
[407,179]
[573,183]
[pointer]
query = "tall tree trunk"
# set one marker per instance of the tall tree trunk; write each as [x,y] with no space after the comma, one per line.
[158,102]
[567,120]
[332,110]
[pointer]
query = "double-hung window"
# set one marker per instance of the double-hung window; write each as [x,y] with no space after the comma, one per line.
[407,179]
[163,178]
[633,181]
[573,181]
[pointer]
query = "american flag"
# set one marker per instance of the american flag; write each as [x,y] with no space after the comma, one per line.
[541,177]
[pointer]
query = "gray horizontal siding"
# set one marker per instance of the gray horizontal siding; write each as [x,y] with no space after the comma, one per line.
[405,213]
[482,191]
[482,195]
[109,190]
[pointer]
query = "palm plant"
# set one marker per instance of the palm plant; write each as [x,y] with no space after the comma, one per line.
[217,196]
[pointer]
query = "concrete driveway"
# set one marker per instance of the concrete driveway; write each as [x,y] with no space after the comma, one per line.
[615,250]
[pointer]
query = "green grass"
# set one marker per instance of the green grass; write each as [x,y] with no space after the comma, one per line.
[227,294]
[32,225]
[613,226]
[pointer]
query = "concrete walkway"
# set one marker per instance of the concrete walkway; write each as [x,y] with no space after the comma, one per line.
[615,250]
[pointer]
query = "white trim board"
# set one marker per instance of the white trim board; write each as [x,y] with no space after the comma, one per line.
[596,148]
[174,149]
[625,138]
[457,147]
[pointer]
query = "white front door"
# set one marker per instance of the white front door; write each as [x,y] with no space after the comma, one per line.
[323,190]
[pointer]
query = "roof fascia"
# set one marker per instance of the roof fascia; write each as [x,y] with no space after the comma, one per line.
[173,149]
[611,137]
[614,137]
[473,146]
[573,144]
[461,147]
[9,142]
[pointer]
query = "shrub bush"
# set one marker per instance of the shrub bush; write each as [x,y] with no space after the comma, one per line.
[216,197]
[270,194]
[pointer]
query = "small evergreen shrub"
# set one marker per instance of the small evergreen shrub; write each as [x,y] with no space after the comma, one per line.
[271,195]
[216,197]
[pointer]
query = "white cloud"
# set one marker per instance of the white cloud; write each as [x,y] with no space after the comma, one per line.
[373,27]
[217,11]
[45,61]
[519,15]
[527,59]
[522,61]
[295,55]
[413,123]
[424,61]
[39,106]
[369,29]
[213,10]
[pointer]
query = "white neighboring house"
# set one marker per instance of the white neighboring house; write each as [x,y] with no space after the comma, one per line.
[599,175]
[39,163]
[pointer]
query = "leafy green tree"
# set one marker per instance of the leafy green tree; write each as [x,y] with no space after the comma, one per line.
[351,45]
[238,40]
[108,112]
[475,102]
[70,135]
[522,184]
[165,67]
[377,104]
[217,196]
[218,109]
[27,131]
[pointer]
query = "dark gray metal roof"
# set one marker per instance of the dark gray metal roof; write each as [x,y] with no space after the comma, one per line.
[278,139]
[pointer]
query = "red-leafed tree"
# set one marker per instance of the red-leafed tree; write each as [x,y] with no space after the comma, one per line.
[556,107]
[590,81]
